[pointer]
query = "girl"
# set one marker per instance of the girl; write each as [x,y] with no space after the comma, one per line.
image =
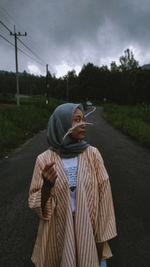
[70,192]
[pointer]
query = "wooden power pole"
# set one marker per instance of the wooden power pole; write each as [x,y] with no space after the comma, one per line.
[47,84]
[16,59]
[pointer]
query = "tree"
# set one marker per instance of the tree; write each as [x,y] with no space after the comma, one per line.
[104,68]
[114,67]
[71,82]
[128,61]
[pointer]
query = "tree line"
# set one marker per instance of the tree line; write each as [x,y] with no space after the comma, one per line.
[125,84]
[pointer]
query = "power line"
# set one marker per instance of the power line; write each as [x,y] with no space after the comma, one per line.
[7,14]
[30,50]
[43,63]
[21,50]
[11,18]
[5,27]
[6,40]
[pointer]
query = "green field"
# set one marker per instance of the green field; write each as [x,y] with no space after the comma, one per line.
[17,124]
[131,120]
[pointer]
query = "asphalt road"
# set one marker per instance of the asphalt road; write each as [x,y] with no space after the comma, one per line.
[128,165]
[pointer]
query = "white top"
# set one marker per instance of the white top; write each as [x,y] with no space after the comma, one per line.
[71,168]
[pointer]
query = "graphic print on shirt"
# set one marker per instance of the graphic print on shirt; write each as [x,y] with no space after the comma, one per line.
[71,173]
[71,169]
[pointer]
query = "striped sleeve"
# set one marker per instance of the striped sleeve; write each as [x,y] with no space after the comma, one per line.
[106,216]
[35,194]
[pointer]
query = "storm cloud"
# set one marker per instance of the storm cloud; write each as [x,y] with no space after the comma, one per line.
[69,33]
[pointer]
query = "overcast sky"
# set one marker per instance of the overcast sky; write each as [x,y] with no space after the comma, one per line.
[65,34]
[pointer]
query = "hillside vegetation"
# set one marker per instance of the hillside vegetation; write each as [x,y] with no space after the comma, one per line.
[133,121]
[17,124]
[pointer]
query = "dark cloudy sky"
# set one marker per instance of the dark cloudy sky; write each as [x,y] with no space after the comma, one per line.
[66,34]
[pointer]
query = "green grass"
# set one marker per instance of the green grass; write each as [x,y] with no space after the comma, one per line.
[17,124]
[131,120]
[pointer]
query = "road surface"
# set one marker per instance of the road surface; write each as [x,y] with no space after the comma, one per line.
[128,165]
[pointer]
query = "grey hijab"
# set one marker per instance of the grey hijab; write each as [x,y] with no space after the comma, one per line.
[58,125]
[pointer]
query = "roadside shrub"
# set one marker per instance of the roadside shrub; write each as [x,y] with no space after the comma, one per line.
[133,121]
[17,124]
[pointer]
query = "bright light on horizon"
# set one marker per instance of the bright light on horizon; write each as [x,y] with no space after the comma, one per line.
[33,69]
[63,68]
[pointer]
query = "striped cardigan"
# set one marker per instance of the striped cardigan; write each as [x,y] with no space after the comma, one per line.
[62,242]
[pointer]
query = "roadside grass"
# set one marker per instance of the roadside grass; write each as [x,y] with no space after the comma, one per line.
[131,120]
[18,124]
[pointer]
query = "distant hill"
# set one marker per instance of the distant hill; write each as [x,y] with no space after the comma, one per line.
[146,66]
[3,72]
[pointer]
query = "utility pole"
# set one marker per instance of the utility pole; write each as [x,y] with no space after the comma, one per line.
[67,89]
[47,83]
[16,59]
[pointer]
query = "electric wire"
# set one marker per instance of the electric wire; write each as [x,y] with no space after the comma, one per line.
[42,62]
[5,27]
[30,50]
[7,40]
[5,18]
[23,44]
[30,57]
[7,14]
[20,50]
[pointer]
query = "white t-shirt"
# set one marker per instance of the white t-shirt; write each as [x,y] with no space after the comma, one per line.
[71,168]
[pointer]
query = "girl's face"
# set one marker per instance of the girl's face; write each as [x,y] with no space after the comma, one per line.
[79,131]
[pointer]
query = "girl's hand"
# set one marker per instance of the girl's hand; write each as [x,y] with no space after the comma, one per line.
[49,174]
